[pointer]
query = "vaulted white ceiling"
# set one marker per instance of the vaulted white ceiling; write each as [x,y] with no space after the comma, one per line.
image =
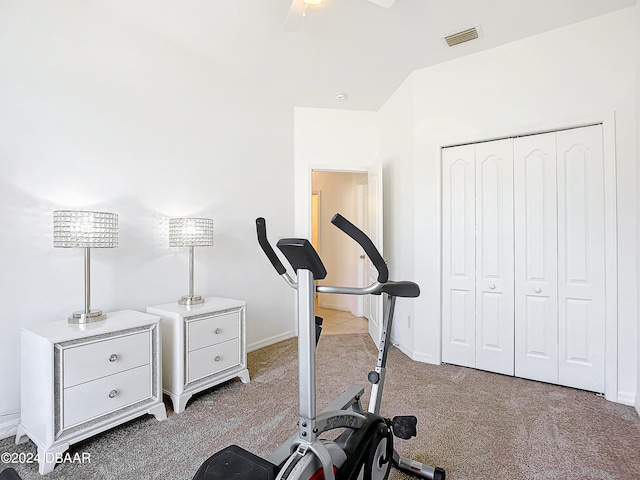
[351,46]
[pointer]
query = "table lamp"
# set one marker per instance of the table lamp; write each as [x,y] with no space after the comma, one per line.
[190,232]
[85,229]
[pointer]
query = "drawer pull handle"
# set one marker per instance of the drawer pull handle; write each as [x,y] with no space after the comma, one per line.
[538,290]
[113,393]
[113,357]
[218,358]
[492,286]
[218,331]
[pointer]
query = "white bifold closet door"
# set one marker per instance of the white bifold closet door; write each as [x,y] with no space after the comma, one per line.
[536,266]
[478,303]
[494,257]
[523,265]
[560,258]
[459,256]
[581,258]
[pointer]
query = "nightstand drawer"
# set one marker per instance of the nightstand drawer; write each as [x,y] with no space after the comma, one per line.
[209,331]
[92,399]
[95,360]
[213,359]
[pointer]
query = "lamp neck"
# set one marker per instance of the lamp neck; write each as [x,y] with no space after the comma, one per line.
[87,280]
[191,255]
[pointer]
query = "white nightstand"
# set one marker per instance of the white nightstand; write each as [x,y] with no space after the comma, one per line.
[202,345]
[79,380]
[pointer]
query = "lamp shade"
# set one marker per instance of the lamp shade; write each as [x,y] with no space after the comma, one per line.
[190,232]
[85,229]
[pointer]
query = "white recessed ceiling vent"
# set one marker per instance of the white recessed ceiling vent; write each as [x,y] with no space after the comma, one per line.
[462,37]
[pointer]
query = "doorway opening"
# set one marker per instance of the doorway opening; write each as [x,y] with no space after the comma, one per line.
[345,193]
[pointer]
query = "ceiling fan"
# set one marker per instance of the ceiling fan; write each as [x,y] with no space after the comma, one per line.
[298,10]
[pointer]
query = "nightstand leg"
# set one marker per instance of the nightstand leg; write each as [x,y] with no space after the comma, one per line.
[48,458]
[244,376]
[180,401]
[21,435]
[158,411]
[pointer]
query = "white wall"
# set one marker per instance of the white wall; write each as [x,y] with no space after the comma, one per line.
[401,212]
[326,139]
[98,114]
[556,78]
[350,141]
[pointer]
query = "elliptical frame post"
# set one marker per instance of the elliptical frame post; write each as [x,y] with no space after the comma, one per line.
[383,350]
[306,356]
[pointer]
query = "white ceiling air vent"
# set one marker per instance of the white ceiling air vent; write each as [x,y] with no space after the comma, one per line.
[461,37]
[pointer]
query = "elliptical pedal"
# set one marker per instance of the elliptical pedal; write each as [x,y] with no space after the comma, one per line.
[404,427]
[236,463]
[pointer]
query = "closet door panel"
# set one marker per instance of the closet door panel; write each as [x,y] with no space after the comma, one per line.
[581,261]
[494,256]
[458,253]
[535,222]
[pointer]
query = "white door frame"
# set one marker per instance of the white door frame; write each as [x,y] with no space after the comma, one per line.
[607,119]
[360,299]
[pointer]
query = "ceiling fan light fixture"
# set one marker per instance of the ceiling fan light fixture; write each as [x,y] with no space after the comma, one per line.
[314,2]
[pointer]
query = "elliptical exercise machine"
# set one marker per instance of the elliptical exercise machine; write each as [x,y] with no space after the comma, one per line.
[364,450]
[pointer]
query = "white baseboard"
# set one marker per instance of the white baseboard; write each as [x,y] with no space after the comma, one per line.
[627,398]
[425,358]
[401,347]
[417,356]
[9,425]
[270,341]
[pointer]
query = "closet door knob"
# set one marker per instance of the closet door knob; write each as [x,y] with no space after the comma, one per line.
[538,290]
[113,357]
[113,393]
[218,358]
[218,331]
[492,286]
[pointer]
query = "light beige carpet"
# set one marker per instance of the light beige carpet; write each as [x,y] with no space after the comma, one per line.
[476,425]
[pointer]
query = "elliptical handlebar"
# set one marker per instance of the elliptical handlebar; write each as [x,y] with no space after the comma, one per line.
[261,228]
[303,258]
[365,242]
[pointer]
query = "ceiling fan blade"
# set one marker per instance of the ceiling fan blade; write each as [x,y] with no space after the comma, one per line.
[295,16]
[383,3]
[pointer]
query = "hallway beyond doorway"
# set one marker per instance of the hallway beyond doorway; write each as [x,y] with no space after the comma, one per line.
[338,322]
